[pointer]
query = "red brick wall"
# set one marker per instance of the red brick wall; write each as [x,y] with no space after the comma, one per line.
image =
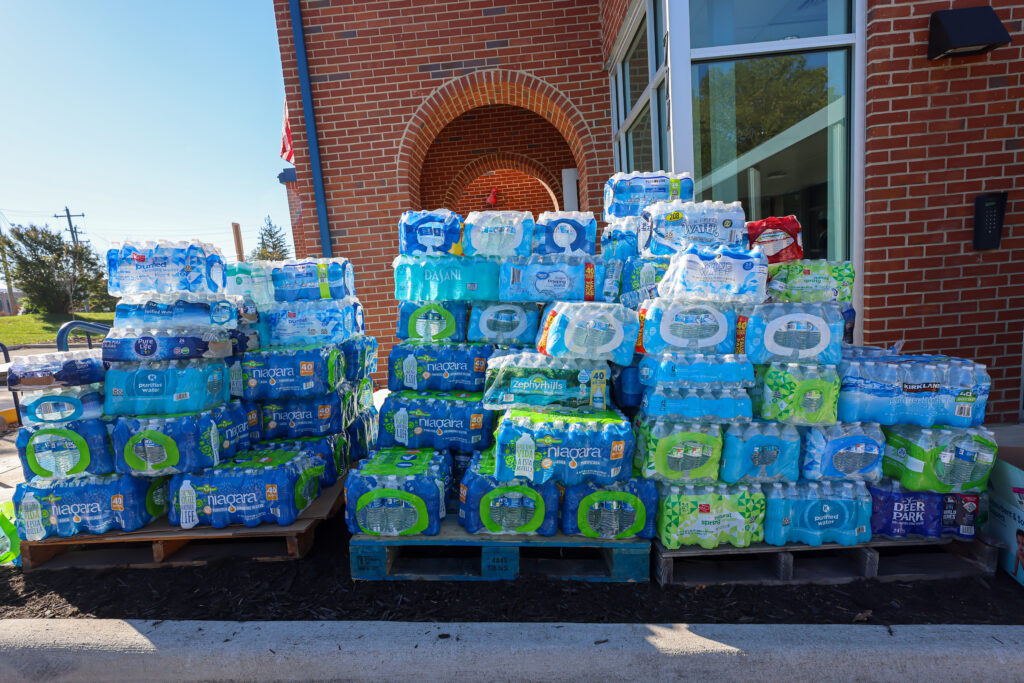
[387,77]
[294,207]
[612,14]
[939,133]
[517,191]
[481,140]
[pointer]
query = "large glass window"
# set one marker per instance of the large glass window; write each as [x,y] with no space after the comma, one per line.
[772,132]
[634,68]
[639,94]
[731,22]
[638,142]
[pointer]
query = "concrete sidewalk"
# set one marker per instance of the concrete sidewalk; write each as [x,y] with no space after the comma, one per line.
[84,649]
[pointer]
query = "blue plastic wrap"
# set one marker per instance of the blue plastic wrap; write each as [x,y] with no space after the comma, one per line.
[298,417]
[87,504]
[809,333]
[165,387]
[813,513]
[848,450]
[626,194]
[565,232]
[519,506]
[60,404]
[697,370]
[432,321]
[158,446]
[429,232]
[360,357]
[589,330]
[65,448]
[640,278]
[504,323]
[438,367]
[759,452]
[676,326]
[552,277]
[398,492]
[564,446]
[446,278]
[61,369]
[627,509]
[255,487]
[435,419]
[292,372]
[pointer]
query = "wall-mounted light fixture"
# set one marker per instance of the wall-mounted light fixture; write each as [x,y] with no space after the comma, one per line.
[967,31]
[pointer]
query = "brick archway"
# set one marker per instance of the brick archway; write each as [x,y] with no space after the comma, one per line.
[495,86]
[494,162]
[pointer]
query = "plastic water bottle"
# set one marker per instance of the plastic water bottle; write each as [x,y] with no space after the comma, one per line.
[187,504]
[31,513]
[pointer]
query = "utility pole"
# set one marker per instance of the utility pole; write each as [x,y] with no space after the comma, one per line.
[236,230]
[7,276]
[71,227]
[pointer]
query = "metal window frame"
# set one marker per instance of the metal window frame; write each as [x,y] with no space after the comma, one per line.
[676,71]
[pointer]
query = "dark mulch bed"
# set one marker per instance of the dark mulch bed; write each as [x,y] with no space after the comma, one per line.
[319,587]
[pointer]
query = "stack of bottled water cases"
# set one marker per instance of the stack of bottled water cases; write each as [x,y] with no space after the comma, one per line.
[938,453]
[167,385]
[709,428]
[560,429]
[66,454]
[310,384]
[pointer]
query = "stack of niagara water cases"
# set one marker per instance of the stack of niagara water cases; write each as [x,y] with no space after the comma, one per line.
[300,322]
[433,419]
[175,330]
[470,301]
[70,486]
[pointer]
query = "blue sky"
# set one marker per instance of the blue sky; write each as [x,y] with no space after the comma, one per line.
[157,119]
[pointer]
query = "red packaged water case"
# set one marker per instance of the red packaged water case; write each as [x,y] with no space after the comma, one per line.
[778,237]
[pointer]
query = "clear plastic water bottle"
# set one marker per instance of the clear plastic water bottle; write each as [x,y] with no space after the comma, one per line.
[31,513]
[188,517]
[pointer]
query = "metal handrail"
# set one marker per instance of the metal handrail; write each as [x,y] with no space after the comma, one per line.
[90,328]
[14,394]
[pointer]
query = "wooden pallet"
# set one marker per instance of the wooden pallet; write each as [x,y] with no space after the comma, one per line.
[161,545]
[831,563]
[455,555]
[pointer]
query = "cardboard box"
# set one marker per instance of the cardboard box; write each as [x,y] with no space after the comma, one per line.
[1006,509]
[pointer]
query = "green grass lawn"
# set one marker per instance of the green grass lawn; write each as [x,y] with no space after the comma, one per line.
[41,328]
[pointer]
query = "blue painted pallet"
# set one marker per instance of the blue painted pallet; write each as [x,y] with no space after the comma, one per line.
[455,555]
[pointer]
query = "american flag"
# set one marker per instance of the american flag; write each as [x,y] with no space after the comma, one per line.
[287,153]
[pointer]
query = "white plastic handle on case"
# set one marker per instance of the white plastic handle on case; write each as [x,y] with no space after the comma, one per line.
[816,322]
[491,312]
[675,340]
[574,328]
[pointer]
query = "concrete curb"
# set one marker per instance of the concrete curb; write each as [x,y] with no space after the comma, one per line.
[83,649]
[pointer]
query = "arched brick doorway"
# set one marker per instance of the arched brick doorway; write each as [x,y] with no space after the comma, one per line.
[489,88]
[516,191]
[499,161]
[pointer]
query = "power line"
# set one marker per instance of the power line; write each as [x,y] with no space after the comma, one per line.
[72,228]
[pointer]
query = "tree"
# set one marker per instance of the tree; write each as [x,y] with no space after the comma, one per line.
[272,244]
[56,276]
[772,95]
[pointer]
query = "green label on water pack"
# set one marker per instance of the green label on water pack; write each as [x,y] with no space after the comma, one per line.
[257,459]
[569,417]
[709,518]
[399,461]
